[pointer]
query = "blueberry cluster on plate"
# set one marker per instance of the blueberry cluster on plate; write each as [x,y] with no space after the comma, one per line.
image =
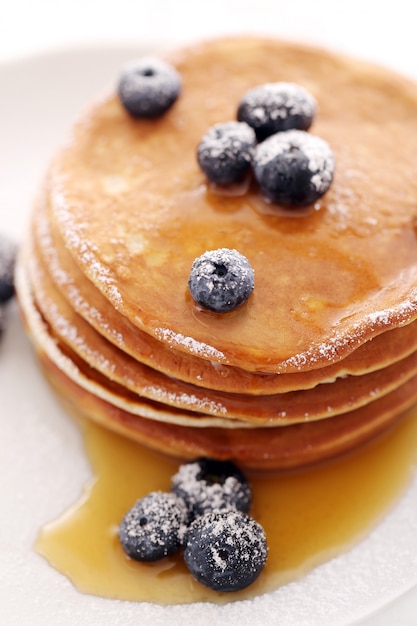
[206,514]
[291,166]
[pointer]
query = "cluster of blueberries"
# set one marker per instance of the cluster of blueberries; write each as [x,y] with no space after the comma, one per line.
[8,251]
[270,136]
[206,514]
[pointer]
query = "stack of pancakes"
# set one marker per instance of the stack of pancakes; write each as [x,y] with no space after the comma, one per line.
[321,357]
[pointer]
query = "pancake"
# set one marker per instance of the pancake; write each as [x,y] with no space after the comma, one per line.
[261,449]
[144,173]
[89,303]
[320,358]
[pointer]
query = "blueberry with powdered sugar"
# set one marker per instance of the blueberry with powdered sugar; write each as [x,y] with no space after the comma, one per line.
[149,87]
[225,152]
[294,168]
[8,251]
[209,484]
[276,107]
[225,550]
[153,528]
[221,280]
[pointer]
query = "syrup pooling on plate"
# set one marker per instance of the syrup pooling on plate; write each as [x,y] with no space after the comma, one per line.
[309,516]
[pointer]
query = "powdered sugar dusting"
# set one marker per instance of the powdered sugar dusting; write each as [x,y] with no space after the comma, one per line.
[69,332]
[76,240]
[177,340]
[184,399]
[63,279]
[335,345]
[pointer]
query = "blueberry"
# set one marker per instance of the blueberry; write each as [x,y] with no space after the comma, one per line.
[276,107]
[8,250]
[294,167]
[225,152]
[221,280]
[149,87]
[207,484]
[225,550]
[153,527]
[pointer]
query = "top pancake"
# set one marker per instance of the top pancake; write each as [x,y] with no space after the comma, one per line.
[135,210]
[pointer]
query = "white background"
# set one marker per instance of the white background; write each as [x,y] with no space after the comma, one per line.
[379,29]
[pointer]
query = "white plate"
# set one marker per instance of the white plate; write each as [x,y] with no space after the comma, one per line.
[42,464]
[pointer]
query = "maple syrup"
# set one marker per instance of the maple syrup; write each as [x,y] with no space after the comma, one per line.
[309,516]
